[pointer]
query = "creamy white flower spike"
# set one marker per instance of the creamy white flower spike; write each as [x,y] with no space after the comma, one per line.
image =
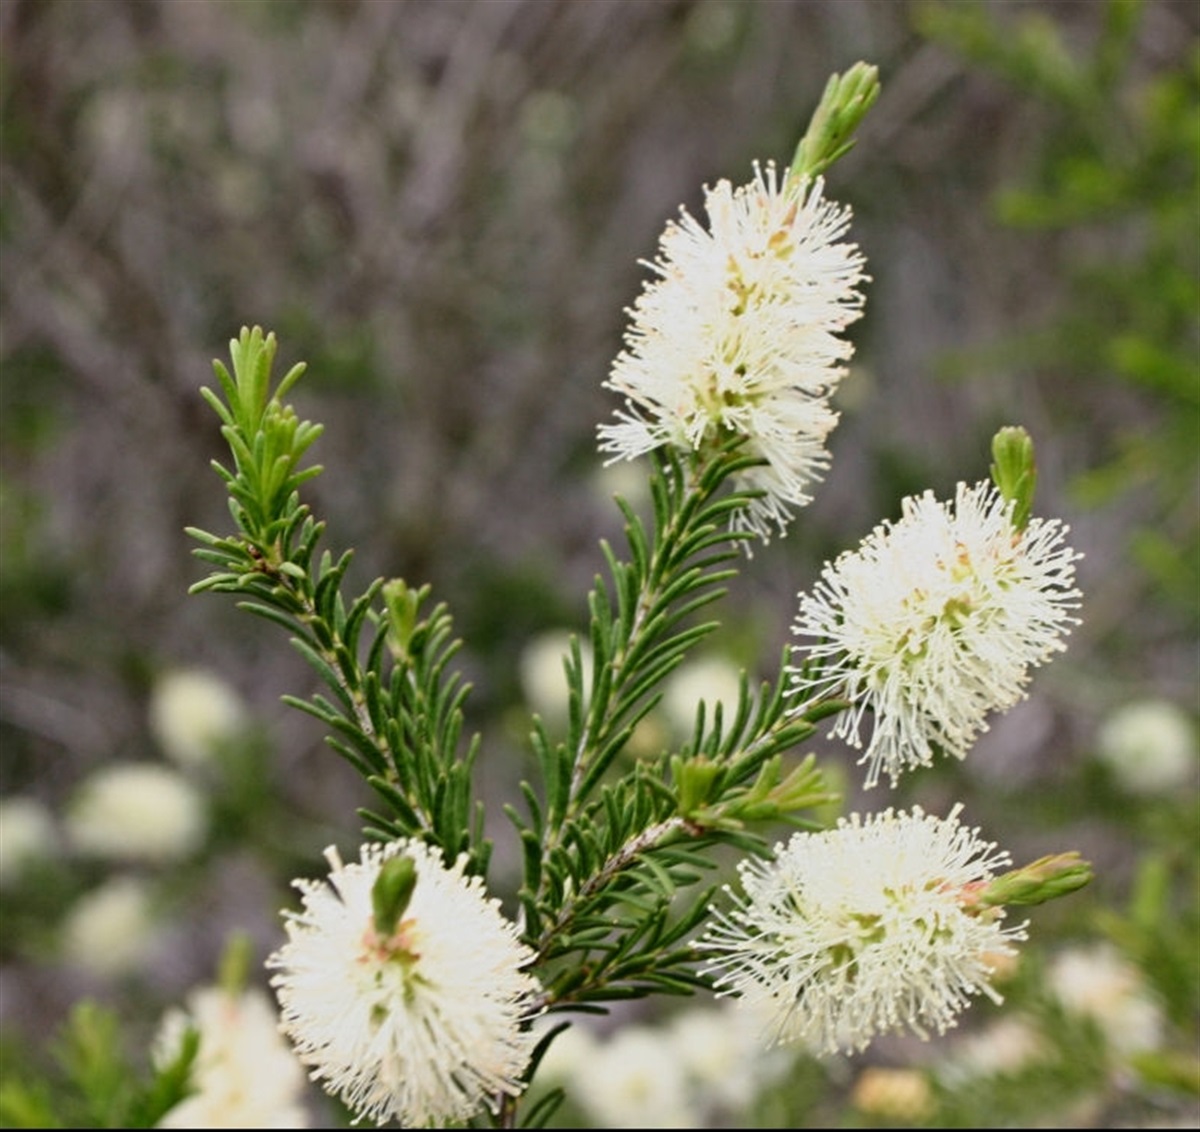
[867,928]
[932,623]
[426,1025]
[739,336]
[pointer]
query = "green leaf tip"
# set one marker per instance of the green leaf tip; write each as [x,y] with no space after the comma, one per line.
[402,603]
[844,103]
[265,436]
[773,796]
[233,973]
[248,391]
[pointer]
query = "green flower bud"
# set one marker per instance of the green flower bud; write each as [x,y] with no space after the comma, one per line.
[843,104]
[402,602]
[1015,471]
[694,779]
[391,893]
[1045,879]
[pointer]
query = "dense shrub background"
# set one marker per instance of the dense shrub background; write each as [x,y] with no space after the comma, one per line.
[440,206]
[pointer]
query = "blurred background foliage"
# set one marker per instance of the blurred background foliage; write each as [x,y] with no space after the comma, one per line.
[440,206]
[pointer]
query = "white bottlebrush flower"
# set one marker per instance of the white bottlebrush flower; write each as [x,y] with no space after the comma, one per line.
[738,336]
[425,1025]
[866,928]
[932,623]
[1149,745]
[194,712]
[137,812]
[245,1075]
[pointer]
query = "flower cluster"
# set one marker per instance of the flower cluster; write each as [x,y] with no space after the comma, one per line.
[697,1069]
[426,1024]
[738,336]
[401,984]
[934,622]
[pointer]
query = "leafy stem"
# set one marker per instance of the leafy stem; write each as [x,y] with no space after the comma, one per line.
[605,858]
[395,713]
[665,582]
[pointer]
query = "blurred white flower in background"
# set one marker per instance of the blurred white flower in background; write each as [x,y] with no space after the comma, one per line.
[543,677]
[27,835]
[719,1047]
[1005,1046]
[701,1064]
[193,712]
[1096,981]
[634,1079]
[569,1054]
[628,480]
[245,1074]
[714,679]
[1149,745]
[137,812]
[111,930]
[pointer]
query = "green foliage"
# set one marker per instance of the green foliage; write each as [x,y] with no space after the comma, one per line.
[607,848]
[396,714]
[1119,163]
[1065,1077]
[1159,926]
[94,1083]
